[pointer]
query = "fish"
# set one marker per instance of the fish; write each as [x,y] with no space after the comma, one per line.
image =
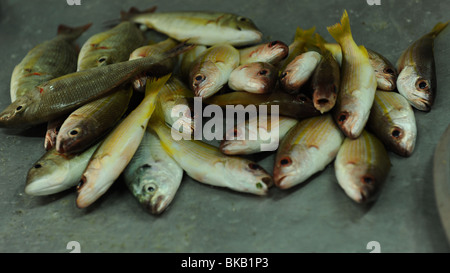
[272,52]
[198,27]
[249,136]
[299,71]
[309,147]
[302,39]
[294,106]
[64,94]
[46,61]
[111,46]
[92,121]
[206,164]
[361,167]
[152,176]
[257,77]
[385,72]
[326,79]
[118,148]
[152,49]
[51,134]
[55,172]
[175,99]
[417,71]
[393,122]
[211,70]
[358,82]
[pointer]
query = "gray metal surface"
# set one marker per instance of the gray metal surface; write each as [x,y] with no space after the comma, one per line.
[314,217]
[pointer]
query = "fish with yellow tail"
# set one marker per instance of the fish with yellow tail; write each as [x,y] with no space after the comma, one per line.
[118,148]
[358,82]
[362,166]
[298,46]
[207,164]
[417,78]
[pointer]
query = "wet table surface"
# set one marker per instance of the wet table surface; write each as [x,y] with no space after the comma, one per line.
[316,216]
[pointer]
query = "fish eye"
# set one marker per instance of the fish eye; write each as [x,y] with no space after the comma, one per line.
[74,132]
[389,71]
[37,166]
[254,166]
[149,188]
[342,117]
[199,79]
[283,75]
[422,84]
[286,161]
[368,179]
[396,133]
[102,59]
[20,107]
[235,132]
[302,98]
[263,72]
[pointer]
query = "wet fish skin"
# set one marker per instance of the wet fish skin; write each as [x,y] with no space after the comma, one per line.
[55,172]
[295,106]
[245,139]
[392,120]
[358,82]
[362,166]
[212,69]
[198,27]
[310,146]
[326,79]
[187,59]
[417,71]
[152,176]
[46,61]
[256,77]
[117,149]
[302,39]
[299,71]
[271,52]
[111,46]
[90,122]
[65,94]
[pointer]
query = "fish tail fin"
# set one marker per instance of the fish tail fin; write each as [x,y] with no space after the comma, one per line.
[179,49]
[342,30]
[72,33]
[320,42]
[305,35]
[438,28]
[155,84]
[133,11]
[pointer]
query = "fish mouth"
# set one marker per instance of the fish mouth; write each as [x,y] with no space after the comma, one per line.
[386,83]
[279,182]
[156,205]
[420,103]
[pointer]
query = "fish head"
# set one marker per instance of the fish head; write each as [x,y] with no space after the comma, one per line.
[352,118]
[248,176]
[324,96]
[256,77]
[403,139]
[248,31]
[47,176]
[204,79]
[241,139]
[14,115]
[291,166]
[415,88]
[386,78]
[277,50]
[361,182]
[151,194]
[72,136]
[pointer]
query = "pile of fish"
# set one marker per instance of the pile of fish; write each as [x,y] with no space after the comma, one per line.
[337,102]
